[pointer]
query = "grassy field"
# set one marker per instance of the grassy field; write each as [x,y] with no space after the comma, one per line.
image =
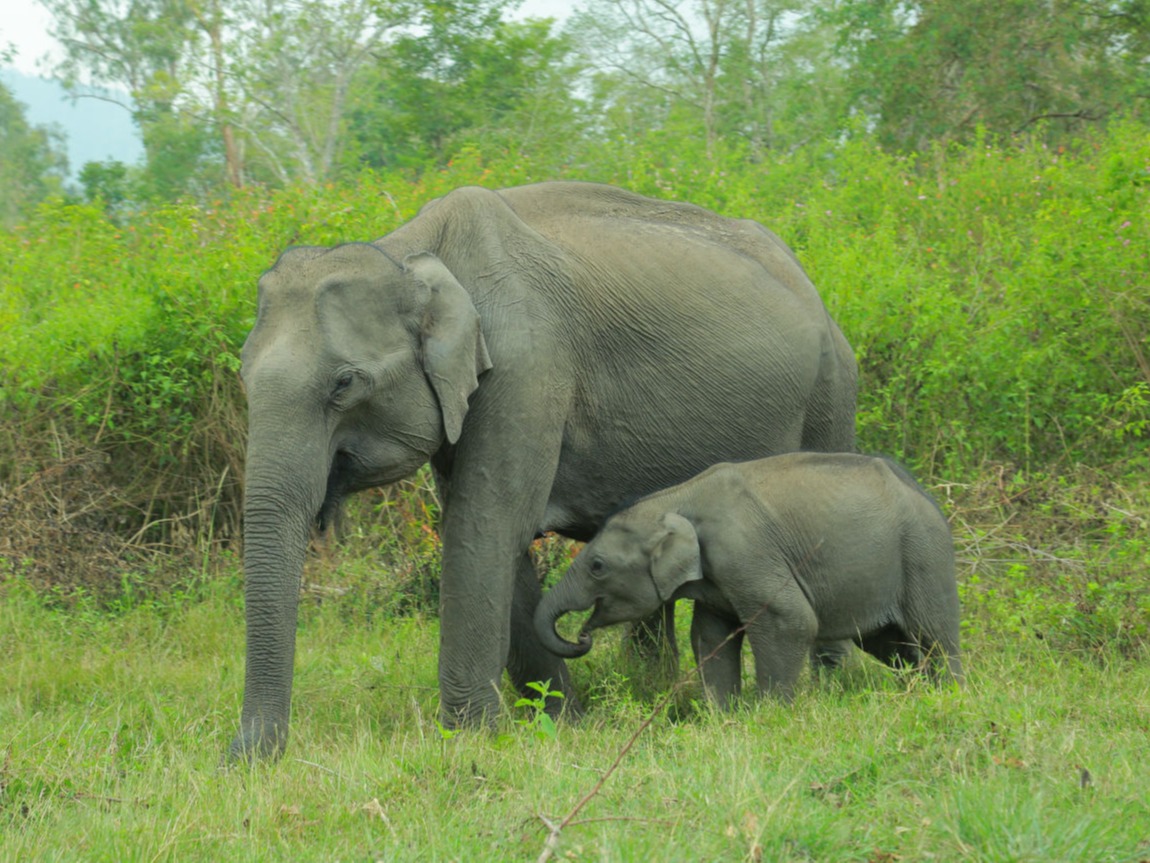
[114,719]
[996,297]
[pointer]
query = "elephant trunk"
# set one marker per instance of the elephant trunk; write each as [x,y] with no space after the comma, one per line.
[284,490]
[562,598]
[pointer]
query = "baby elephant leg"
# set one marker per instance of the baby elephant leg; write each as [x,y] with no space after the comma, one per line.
[925,650]
[782,635]
[932,620]
[829,654]
[717,642]
[940,647]
[893,646]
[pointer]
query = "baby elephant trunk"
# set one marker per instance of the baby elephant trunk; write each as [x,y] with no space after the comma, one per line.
[557,602]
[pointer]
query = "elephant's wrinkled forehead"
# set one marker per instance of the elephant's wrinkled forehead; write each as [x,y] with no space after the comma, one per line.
[623,530]
[302,271]
[325,302]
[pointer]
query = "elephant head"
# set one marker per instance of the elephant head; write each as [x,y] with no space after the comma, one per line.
[636,563]
[357,370]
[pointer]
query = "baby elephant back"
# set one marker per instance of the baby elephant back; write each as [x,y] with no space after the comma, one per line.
[850,524]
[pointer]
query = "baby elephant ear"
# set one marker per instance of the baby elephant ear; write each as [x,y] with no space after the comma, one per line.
[454,351]
[675,559]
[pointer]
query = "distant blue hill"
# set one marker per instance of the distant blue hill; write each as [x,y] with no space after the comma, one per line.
[96,130]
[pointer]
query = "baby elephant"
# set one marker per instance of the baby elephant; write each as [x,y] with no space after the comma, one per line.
[794,551]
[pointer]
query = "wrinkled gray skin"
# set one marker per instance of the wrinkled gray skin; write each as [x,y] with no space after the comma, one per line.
[553,350]
[799,549]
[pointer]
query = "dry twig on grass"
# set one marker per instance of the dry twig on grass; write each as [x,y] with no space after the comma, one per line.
[555,829]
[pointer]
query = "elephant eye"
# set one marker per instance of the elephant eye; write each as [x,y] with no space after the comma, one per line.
[343,382]
[598,567]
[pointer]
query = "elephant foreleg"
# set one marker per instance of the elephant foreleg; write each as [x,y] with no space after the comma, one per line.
[717,641]
[781,633]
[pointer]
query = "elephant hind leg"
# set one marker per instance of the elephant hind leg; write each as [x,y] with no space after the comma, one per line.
[938,656]
[892,646]
[528,661]
[941,654]
[829,655]
[932,618]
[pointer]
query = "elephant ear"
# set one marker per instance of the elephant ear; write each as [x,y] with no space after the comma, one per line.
[675,558]
[454,352]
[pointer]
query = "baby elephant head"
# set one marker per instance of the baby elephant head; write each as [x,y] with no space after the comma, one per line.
[631,567]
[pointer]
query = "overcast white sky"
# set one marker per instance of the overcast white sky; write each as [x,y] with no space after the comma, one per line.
[25,25]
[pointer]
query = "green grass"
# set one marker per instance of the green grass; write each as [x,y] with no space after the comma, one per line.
[112,726]
[995,295]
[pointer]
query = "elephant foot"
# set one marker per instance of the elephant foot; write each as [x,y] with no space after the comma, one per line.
[472,714]
[829,655]
[477,714]
[569,707]
[258,741]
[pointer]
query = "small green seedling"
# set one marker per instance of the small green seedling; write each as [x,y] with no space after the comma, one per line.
[539,721]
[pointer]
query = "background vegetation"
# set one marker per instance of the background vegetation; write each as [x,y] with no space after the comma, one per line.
[971,202]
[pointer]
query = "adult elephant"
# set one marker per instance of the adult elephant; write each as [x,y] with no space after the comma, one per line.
[554,350]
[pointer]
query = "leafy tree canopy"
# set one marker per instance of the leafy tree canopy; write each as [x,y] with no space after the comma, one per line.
[32,161]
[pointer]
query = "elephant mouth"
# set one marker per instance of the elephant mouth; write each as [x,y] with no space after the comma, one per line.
[591,623]
[584,640]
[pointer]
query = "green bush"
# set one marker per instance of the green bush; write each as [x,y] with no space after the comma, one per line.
[996,296]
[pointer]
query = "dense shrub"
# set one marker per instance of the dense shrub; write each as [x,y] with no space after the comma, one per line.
[996,295]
